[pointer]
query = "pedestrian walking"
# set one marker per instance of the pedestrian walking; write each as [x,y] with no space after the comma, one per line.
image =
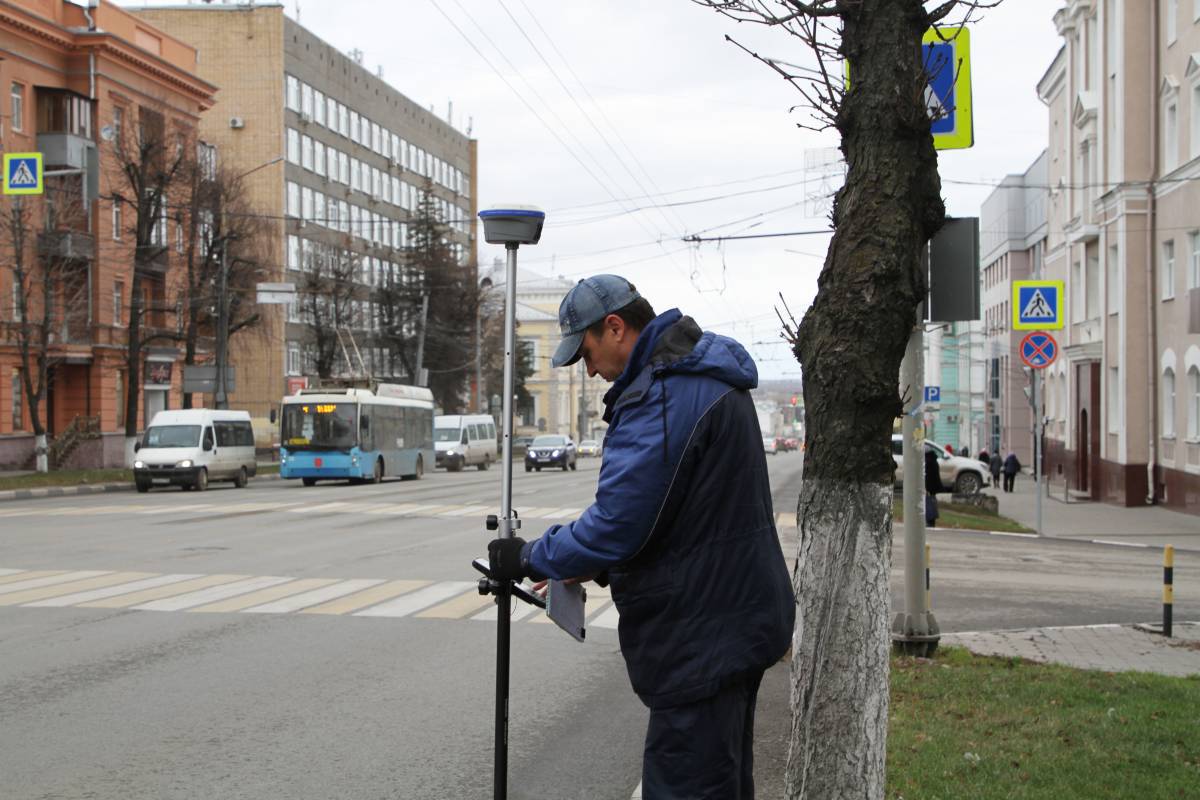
[682,530]
[983,456]
[933,485]
[995,464]
[1011,467]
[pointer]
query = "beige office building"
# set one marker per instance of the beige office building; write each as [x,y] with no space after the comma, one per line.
[1123,400]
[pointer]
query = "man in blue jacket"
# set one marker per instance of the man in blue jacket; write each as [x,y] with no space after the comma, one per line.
[683,531]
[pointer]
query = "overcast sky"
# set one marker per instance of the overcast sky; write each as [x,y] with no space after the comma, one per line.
[675,112]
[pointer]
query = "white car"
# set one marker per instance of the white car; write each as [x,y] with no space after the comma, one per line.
[959,474]
[769,446]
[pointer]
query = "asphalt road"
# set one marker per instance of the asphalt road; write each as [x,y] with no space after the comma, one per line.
[327,642]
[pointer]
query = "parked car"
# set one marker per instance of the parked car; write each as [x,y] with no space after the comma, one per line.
[461,440]
[793,443]
[190,447]
[550,450]
[589,447]
[960,475]
[769,445]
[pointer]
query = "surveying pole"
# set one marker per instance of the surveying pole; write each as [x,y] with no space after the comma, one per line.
[512,226]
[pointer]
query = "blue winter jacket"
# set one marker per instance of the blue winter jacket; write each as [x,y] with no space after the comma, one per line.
[682,523]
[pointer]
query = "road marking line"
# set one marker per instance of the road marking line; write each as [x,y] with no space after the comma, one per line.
[562,513]
[460,607]
[1006,533]
[50,579]
[24,575]
[415,601]
[1118,544]
[536,512]
[263,596]
[464,512]
[126,600]
[608,619]
[10,571]
[394,508]
[100,581]
[319,507]
[111,591]
[363,599]
[184,601]
[594,614]
[313,596]
[519,611]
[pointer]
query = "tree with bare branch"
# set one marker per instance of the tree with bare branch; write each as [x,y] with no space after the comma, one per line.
[150,163]
[50,289]
[326,294]
[850,344]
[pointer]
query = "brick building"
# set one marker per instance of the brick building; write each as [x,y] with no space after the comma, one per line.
[71,78]
[338,158]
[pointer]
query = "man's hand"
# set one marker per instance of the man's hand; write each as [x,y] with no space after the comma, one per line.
[504,559]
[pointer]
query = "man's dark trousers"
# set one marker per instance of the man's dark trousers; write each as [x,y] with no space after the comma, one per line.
[704,749]
[1009,478]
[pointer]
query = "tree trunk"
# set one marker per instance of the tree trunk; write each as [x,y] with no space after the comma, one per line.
[850,345]
[42,452]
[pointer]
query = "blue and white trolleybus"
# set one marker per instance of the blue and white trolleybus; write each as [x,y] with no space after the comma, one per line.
[357,434]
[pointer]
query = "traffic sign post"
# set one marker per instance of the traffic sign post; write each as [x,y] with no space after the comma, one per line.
[23,173]
[1038,350]
[1037,305]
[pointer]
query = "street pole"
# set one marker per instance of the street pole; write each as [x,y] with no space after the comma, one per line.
[915,631]
[222,395]
[421,341]
[1037,449]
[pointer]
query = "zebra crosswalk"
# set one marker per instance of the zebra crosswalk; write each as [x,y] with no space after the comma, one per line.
[270,594]
[346,507]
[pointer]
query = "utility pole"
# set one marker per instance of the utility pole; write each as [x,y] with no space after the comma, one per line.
[421,341]
[222,393]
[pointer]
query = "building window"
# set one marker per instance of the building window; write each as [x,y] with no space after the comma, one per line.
[1168,403]
[206,155]
[116,219]
[306,152]
[318,158]
[1194,128]
[120,393]
[1077,292]
[18,107]
[1167,269]
[1193,424]
[293,146]
[18,410]
[118,298]
[306,203]
[1172,14]
[306,99]
[293,93]
[293,359]
[1170,135]
[1194,271]
[1113,279]
[1093,286]
[293,199]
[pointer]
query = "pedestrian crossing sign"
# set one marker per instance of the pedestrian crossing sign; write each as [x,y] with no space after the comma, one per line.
[22,173]
[1037,305]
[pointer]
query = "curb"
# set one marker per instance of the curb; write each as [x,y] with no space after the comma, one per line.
[1057,539]
[86,489]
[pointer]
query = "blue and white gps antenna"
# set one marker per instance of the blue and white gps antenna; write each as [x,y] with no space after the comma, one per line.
[511,225]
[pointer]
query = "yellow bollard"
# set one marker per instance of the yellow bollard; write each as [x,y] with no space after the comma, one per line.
[1168,588]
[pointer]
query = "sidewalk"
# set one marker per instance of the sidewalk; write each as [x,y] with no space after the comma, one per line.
[90,488]
[1111,648]
[1148,526]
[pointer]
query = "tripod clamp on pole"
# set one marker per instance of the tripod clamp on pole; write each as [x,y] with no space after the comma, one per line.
[512,226]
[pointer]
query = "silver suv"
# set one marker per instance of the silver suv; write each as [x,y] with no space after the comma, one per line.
[959,474]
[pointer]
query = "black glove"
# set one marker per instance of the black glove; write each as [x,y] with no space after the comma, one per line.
[504,559]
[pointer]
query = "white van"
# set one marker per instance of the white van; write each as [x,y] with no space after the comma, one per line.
[464,439]
[192,446]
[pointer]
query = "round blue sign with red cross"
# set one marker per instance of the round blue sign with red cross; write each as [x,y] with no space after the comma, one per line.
[1038,350]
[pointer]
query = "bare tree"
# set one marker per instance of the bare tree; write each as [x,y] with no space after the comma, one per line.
[850,344]
[50,289]
[150,162]
[217,219]
[327,291]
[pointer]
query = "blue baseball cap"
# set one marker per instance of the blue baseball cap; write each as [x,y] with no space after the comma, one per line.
[588,302]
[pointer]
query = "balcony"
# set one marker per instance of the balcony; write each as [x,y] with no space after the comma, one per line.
[152,259]
[66,245]
[65,150]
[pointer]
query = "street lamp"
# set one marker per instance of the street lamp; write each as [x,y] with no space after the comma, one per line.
[221,398]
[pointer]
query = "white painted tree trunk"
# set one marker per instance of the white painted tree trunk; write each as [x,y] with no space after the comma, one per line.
[841,643]
[130,455]
[41,452]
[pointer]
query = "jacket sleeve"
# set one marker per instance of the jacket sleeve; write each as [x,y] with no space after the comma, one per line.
[634,480]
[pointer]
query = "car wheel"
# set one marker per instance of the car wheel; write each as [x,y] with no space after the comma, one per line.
[528,468]
[242,478]
[201,480]
[486,464]
[142,486]
[309,481]
[377,475]
[539,469]
[968,483]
